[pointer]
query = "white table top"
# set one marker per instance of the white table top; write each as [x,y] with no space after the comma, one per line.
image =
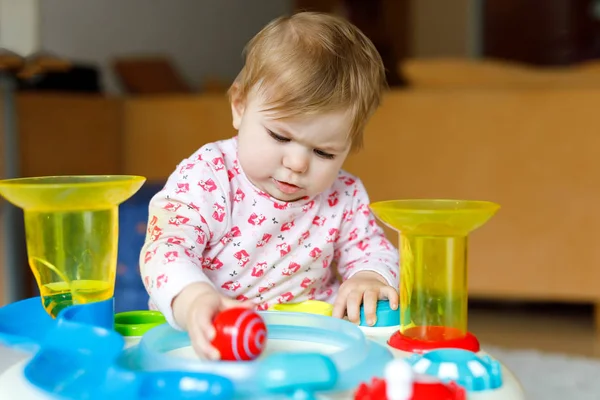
[8,357]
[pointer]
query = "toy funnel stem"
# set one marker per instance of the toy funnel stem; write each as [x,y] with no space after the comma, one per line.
[71,226]
[433,236]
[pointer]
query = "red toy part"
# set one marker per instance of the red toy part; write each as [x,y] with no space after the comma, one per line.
[375,391]
[438,391]
[435,337]
[240,334]
[433,390]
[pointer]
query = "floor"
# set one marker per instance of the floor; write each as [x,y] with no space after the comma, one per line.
[558,328]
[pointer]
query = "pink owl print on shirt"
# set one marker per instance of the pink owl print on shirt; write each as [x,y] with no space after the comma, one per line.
[182,188]
[364,210]
[333,235]
[239,196]
[315,253]
[233,171]
[347,215]
[171,256]
[171,207]
[333,199]
[233,233]
[231,286]
[256,219]
[208,185]
[175,240]
[149,254]
[308,206]
[189,254]
[259,269]
[319,221]
[200,235]
[186,167]
[283,248]
[213,264]
[291,269]
[287,226]
[161,280]
[265,239]
[305,235]
[306,282]
[219,212]
[285,298]
[348,180]
[266,288]
[219,163]
[155,233]
[243,258]
[178,220]
[194,207]
[363,244]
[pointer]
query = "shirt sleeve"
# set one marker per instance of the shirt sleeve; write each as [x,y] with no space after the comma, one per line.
[184,219]
[363,245]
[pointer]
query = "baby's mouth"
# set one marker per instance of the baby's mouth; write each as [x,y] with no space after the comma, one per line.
[285,187]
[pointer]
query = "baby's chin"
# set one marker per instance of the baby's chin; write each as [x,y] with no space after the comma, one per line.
[289,199]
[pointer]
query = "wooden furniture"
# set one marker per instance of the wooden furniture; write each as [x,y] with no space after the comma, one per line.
[541,32]
[524,138]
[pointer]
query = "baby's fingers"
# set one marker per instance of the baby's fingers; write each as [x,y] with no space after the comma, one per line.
[202,332]
[339,307]
[391,294]
[353,303]
[370,306]
[230,303]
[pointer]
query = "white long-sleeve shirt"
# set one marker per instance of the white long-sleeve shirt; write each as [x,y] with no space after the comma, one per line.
[211,224]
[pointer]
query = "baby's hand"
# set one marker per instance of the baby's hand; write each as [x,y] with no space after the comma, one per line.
[367,287]
[194,310]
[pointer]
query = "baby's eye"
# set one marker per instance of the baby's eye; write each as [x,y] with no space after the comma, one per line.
[277,137]
[323,154]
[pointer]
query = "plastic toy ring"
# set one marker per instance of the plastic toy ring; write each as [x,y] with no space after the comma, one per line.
[137,323]
[309,306]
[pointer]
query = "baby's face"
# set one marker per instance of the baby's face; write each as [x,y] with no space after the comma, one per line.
[293,158]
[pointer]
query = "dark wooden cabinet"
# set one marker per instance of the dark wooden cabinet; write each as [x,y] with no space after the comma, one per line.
[541,32]
[385,22]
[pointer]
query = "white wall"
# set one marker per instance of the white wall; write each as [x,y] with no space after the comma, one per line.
[203,37]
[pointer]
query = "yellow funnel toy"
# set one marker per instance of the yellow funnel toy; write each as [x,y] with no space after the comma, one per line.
[433,238]
[72,227]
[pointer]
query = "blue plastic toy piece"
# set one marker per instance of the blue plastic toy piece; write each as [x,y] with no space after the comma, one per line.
[100,314]
[24,324]
[475,373]
[289,374]
[78,356]
[385,315]
[354,357]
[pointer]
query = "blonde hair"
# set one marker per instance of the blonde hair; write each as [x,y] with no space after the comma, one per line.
[313,63]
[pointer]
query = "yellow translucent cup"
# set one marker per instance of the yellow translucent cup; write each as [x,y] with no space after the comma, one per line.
[433,244]
[72,232]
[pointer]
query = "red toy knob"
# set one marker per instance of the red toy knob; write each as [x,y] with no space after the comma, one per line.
[240,334]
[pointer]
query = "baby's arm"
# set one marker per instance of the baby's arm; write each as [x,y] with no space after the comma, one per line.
[366,260]
[363,245]
[183,219]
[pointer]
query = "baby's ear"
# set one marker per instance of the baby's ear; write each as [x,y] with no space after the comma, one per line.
[238,105]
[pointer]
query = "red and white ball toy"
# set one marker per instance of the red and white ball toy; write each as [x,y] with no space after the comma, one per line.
[241,334]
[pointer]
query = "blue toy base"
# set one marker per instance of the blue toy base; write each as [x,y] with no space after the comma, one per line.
[79,355]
